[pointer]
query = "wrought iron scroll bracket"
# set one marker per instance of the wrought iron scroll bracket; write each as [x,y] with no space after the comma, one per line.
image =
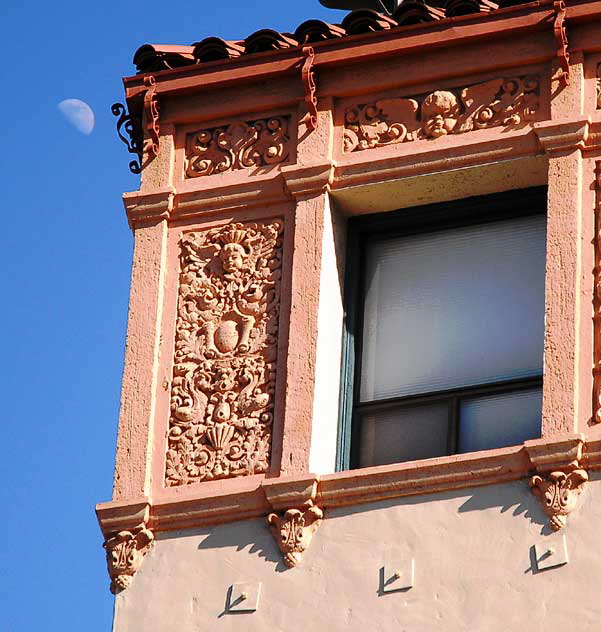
[308,77]
[561,39]
[129,130]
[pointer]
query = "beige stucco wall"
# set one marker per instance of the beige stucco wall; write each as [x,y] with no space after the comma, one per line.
[473,570]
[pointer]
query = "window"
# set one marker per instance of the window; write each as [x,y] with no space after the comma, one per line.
[445,327]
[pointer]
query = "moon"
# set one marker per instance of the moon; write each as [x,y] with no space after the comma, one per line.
[79,114]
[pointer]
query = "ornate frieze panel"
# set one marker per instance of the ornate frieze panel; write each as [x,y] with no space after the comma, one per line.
[125,552]
[240,145]
[499,102]
[294,531]
[222,393]
[558,493]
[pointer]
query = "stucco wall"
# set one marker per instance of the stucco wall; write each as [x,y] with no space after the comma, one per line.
[473,570]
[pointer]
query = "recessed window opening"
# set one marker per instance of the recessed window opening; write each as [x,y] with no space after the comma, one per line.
[447,335]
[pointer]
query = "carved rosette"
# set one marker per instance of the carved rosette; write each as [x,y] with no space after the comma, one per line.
[499,102]
[222,394]
[125,552]
[294,531]
[558,493]
[240,145]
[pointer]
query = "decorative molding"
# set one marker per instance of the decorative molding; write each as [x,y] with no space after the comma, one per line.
[597,299]
[562,452]
[290,491]
[294,531]
[599,86]
[144,208]
[558,493]
[563,135]
[223,386]
[125,552]
[499,102]
[129,130]
[307,180]
[239,145]
[561,39]
[308,77]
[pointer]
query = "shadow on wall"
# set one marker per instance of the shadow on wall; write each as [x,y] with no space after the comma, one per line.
[237,535]
[515,497]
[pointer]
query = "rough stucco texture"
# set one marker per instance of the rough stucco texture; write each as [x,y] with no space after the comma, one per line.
[473,570]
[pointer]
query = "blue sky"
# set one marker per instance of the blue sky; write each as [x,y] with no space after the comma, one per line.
[65,257]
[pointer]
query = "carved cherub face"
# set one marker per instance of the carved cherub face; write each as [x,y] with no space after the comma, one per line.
[232,257]
[440,113]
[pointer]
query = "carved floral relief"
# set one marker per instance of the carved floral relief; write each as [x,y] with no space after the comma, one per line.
[499,102]
[558,493]
[222,393]
[125,552]
[294,531]
[239,145]
[599,86]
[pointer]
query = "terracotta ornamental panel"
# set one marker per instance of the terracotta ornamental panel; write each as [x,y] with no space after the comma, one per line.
[239,145]
[222,395]
[388,121]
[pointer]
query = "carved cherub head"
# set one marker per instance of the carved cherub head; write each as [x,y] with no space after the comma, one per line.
[440,113]
[233,254]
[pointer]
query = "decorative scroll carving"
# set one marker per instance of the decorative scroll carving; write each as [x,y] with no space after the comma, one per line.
[129,130]
[239,145]
[561,39]
[225,353]
[599,86]
[597,299]
[558,494]
[294,531]
[124,555]
[308,76]
[396,120]
[151,117]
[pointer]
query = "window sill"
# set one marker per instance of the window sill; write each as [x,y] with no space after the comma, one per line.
[240,499]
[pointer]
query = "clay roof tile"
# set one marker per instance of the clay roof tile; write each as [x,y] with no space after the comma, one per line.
[317,31]
[214,48]
[415,12]
[366,21]
[155,57]
[268,39]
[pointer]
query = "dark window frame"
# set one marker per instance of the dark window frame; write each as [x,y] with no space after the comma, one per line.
[404,222]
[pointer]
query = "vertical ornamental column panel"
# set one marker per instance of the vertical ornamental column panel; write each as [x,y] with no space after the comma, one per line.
[223,387]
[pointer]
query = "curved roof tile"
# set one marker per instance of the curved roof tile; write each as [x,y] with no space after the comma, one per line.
[214,48]
[366,21]
[155,57]
[316,31]
[268,39]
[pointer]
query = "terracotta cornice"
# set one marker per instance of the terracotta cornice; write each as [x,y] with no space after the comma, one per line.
[145,208]
[563,453]
[207,195]
[308,180]
[123,515]
[286,492]
[362,48]
[239,499]
[563,135]
[424,157]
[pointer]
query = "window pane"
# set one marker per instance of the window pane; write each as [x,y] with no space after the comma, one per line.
[404,434]
[453,308]
[498,421]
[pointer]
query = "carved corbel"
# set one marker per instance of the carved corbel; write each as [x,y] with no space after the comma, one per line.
[561,39]
[125,552]
[558,493]
[151,118]
[294,531]
[308,77]
[597,298]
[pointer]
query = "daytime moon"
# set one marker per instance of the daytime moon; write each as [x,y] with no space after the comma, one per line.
[79,114]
